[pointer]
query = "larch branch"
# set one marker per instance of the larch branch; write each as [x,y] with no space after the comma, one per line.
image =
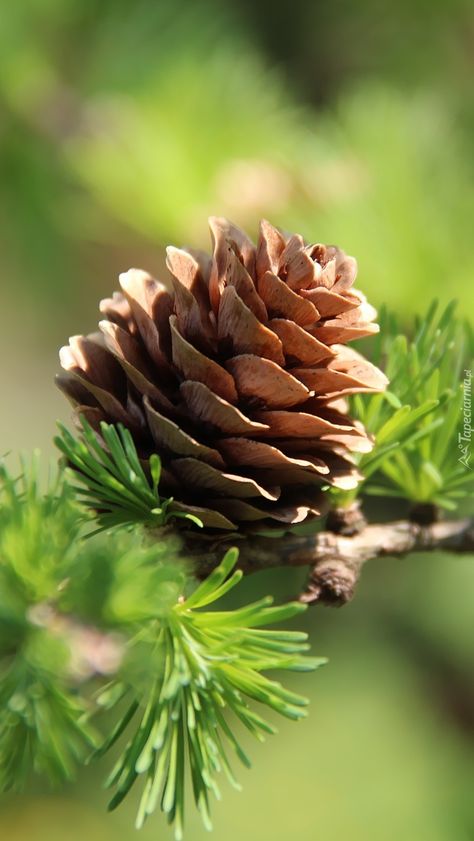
[337,559]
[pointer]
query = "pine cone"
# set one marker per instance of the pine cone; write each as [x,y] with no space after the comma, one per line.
[236,377]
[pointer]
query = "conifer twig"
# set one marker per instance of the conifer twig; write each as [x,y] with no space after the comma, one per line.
[337,559]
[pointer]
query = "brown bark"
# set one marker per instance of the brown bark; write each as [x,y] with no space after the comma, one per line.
[337,559]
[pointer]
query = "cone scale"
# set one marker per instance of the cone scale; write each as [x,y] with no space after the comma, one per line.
[236,375]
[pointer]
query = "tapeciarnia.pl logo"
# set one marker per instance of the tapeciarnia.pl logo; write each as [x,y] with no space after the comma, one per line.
[465,437]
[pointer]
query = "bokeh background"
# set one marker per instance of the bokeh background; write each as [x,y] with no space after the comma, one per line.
[122,126]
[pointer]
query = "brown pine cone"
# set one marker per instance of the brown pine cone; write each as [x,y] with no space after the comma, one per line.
[237,376]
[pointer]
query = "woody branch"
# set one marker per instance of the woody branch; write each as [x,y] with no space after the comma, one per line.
[337,559]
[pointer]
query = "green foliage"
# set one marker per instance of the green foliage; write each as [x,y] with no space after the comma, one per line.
[37,534]
[121,578]
[204,666]
[41,726]
[116,485]
[68,604]
[49,574]
[417,422]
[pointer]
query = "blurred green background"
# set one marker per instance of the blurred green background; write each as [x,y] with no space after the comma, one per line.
[122,126]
